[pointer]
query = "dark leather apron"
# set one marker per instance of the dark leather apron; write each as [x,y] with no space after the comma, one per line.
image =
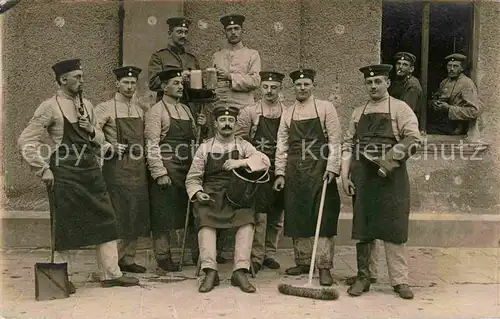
[304,182]
[265,140]
[381,205]
[169,205]
[220,213]
[127,179]
[83,213]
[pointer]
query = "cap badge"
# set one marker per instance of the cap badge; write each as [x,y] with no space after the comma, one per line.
[270,78]
[130,74]
[226,113]
[372,74]
[232,22]
[302,75]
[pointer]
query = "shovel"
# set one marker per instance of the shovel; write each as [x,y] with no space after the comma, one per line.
[51,279]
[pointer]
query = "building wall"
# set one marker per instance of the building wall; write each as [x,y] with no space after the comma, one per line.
[335,38]
[36,34]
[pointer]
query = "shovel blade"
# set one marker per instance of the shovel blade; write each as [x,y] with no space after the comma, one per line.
[51,281]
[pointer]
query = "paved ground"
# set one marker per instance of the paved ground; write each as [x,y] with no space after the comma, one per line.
[448,283]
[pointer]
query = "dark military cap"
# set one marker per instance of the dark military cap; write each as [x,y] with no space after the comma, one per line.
[271,76]
[127,71]
[168,74]
[456,57]
[66,66]
[225,110]
[178,22]
[376,70]
[303,74]
[405,56]
[232,19]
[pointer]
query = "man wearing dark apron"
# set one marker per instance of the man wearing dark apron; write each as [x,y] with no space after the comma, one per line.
[124,170]
[83,214]
[406,88]
[207,184]
[308,153]
[259,124]
[170,134]
[381,204]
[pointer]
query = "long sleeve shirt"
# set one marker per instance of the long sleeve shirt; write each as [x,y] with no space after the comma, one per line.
[106,115]
[171,56]
[48,118]
[461,94]
[408,90]
[157,125]
[243,65]
[248,119]
[404,121]
[255,160]
[329,122]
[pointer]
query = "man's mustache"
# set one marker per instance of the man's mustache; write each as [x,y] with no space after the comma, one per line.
[227,127]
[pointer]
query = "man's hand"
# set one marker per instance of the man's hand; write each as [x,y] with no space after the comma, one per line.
[441,106]
[329,176]
[164,181]
[231,164]
[119,149]
[48,178]
[279,183]
[348,186]
[201,119]
[223,75]
[203,198]
[84,123]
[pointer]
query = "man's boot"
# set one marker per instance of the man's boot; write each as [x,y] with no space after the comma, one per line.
[168,264]
[297,270]
[210,281]
[403,291]
[240,279]
[362,283]
[350,280]
[325,277]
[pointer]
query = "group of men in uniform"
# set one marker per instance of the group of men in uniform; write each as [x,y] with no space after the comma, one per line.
[299,148]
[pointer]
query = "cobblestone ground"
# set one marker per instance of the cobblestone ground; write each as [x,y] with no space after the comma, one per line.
[448,283]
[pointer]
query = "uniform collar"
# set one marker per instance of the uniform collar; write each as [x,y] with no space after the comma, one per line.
[63,94]
[122,98]
[176,49]
[306,101]
[234,47]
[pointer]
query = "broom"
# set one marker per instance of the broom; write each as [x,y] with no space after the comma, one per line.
[309,290]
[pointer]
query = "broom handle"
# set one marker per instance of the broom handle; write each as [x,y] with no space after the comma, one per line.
[316,235]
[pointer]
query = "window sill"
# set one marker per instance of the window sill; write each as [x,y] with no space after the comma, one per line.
[451,145]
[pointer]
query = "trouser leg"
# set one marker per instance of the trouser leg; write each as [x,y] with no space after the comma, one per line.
[375,250]
[302,251]
[396,263]
[363,252]
[126,251]
[259,239]
[207,242]
[324,256]
[274,227]
[161,246]
[107,260]
[243,247]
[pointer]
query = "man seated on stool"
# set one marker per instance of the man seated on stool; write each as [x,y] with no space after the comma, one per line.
[207,184]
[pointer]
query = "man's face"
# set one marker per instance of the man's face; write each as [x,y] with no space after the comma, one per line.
[179,35]
[303,89]
[127,86]
[454,68]
[270,90]
[225,125]
[72,81]
[173,87]
[377,86]
[404,68]
[233,33]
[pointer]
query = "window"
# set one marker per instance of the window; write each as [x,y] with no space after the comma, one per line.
[430,31]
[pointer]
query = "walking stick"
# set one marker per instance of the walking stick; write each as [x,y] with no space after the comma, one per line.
[188,210]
